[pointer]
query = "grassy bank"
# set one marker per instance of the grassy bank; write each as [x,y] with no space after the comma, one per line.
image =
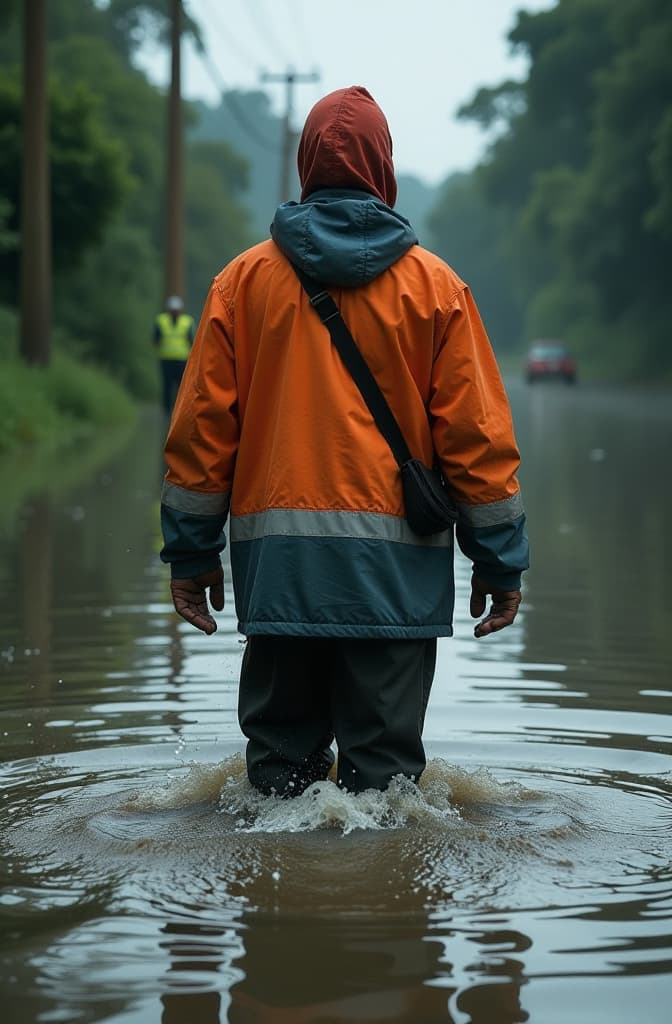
[45,408]
[57,405]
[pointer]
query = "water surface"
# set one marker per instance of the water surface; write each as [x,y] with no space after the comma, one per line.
[530,878]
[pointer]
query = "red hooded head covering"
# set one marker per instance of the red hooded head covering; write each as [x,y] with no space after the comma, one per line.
[346,143]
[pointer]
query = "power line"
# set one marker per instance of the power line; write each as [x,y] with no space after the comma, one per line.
[226,33]
[263,29]
[228,97]
[295,9]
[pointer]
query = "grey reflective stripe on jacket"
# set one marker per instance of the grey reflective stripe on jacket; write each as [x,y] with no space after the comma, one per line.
[295,522]
[494,514]
[194,502]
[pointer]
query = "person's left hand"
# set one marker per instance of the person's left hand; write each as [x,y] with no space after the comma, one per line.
[191,602]
[502,611]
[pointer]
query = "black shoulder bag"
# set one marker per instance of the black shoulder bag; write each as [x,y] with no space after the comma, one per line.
[428,506]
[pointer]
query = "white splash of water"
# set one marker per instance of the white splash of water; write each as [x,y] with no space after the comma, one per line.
[322,805]
[443,790]
[203,782]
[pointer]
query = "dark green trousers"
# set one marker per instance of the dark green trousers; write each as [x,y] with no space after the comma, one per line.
[299,694]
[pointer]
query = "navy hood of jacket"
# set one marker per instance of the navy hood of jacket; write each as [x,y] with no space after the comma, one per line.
[342,237]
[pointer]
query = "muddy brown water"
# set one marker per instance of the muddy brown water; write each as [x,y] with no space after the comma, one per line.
[530,878]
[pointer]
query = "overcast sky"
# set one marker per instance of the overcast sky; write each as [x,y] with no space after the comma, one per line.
[420,59]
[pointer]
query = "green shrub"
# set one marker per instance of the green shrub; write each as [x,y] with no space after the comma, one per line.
[85,393]
[9,332]
[54,405]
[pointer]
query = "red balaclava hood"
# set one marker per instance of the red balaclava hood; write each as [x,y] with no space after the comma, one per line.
[346,143]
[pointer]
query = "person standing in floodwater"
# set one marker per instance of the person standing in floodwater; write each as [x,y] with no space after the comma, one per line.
[340,601]
[173,337]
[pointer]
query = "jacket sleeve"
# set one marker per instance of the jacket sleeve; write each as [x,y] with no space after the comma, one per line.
[474,440]
[201,448]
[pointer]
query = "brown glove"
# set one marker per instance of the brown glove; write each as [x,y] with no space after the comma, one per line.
[191,602]
[502,610]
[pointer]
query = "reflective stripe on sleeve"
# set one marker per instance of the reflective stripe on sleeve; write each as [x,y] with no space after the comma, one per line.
[194,502]
[494,514]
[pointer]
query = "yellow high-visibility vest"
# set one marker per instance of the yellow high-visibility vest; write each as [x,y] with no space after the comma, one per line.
[174,336]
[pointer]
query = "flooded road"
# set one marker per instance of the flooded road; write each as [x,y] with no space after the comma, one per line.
[530,878]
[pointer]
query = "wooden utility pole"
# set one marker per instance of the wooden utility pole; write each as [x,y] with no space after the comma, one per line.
[174,210]
[35,264]
[290,78]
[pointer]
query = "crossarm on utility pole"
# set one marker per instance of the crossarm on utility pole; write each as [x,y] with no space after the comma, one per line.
[290,79]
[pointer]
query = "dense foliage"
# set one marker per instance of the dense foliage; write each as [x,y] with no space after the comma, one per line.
[88,176]
[62,403]
[107,185]
[565,229]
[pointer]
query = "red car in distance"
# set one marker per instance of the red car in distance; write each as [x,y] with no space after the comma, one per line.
[550,360]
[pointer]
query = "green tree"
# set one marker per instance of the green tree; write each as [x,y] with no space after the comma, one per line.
[107,304]
[88,175]
[216,230]
[246,122]
[134,23]
[472,235]
[582,164]
[108,182]
[9,239]
[130,112]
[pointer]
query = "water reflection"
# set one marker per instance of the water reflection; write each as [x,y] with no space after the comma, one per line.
[333,973]
[194,953]
[256,924]
[35,578]
[438,910]
[141,881]
[599,517]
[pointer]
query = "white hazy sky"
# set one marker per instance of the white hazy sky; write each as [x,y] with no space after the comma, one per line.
[420,59]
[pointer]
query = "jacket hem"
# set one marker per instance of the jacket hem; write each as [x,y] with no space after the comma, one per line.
[263,628]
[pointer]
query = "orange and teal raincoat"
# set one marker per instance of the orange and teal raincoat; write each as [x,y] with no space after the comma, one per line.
[270,431]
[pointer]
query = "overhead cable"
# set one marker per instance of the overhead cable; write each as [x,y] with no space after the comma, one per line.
[224,32]
[262,25]
[227,95]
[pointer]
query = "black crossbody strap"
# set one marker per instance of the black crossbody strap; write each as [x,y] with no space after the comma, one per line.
[330,315]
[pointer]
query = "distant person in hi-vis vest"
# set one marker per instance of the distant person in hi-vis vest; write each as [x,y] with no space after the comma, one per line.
[173,337]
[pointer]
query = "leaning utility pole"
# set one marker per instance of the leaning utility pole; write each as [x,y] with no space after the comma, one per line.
[174,198]
[290,78]
[35,264]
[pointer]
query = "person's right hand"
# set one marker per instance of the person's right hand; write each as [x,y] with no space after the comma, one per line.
[502,611]
[191,602]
